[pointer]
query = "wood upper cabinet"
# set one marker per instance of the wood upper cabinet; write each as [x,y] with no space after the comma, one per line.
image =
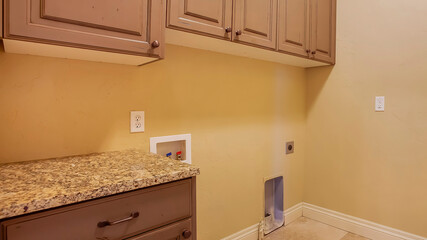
[323,28]
[307,28]
[255,22]
[208,17]
[303,28]
[131,27]
[294,27]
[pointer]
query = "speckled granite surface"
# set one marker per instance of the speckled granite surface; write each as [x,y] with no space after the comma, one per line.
[37,185]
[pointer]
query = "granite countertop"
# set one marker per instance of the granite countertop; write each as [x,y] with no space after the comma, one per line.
[38,185]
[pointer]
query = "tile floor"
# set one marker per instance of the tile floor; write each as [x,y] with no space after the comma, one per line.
[307,229]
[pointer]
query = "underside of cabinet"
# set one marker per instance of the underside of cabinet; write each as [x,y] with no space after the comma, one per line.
[48,50]
[180,38]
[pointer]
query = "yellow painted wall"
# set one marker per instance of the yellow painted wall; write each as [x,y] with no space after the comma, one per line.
[239,111]
[359,162]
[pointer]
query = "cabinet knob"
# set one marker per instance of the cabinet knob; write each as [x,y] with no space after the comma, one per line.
[314,52]
[238,32]
[186,234]
[307,51]
[228,29]
[155,44]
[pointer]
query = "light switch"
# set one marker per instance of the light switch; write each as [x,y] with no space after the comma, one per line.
[379,103]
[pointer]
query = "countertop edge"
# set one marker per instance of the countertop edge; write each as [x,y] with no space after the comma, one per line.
[104,191]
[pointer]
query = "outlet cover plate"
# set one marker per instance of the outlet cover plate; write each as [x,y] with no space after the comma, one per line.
[137,120]
[290,146]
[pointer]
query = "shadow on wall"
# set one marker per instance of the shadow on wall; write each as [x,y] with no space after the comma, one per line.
[54,107]
[78,107]
[316,84]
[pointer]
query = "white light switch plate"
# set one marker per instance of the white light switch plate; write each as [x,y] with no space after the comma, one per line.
[379,103]
[137,121]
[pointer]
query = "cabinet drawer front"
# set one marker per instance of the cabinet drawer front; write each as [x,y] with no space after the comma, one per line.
[210,17]
[172,232]
[120,26]
[156,207]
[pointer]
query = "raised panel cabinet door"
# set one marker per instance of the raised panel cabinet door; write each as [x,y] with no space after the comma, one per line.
[255,22]
[130,27]
[323,27]
[294,27]
[207,17]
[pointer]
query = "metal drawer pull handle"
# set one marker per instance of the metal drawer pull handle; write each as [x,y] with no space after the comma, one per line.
[108,223]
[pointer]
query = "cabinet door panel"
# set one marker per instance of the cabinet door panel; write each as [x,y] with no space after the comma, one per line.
[130,17]
[293,26]
[119,26]
[323,21]
[255,22]
[210,17]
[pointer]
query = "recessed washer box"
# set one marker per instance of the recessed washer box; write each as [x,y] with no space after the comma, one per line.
[273,204]
[172,144]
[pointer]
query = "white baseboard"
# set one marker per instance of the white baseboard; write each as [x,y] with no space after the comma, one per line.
[249,233]
[356,225]
[339,220]
[293,213]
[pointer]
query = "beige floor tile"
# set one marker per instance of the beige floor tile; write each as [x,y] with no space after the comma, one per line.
[307,229]
[352,236]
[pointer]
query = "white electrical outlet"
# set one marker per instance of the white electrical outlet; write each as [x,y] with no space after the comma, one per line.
[379,103]
[136,121]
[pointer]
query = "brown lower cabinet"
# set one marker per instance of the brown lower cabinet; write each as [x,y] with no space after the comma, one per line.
[162,212]
[175,231]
